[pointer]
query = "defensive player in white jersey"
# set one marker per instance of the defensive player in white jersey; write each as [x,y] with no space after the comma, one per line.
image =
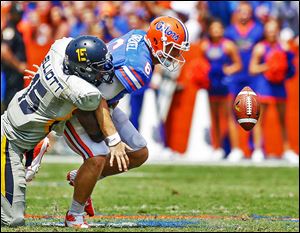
[134,57]
[55,92]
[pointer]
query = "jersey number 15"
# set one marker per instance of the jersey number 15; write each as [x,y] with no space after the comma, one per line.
[29,102]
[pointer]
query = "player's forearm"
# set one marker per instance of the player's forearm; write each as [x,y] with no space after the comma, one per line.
[104,119]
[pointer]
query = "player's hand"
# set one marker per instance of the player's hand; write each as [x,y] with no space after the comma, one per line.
[30,72]
[118,152]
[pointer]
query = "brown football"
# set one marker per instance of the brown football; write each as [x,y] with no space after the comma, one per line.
[246,108]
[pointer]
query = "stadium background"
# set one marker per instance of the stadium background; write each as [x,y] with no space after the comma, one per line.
[44,22]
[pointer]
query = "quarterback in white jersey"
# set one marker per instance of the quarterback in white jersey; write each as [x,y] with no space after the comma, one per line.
[55,92]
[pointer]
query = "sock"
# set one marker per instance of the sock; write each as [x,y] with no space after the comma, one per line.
[76,208]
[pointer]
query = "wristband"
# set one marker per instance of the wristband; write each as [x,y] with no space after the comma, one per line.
[112,140]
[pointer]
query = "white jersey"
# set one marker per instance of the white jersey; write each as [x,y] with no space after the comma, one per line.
[48,102]
[113,90]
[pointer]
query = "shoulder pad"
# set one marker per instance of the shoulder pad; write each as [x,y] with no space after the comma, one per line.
[82,94]
[60,45]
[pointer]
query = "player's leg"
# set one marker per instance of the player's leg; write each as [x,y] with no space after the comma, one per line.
[88,174]
[81,143]
[136,159]
[13,185]
[136,103]
[132,138]
[84,183]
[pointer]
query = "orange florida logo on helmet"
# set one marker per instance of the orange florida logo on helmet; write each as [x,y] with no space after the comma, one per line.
[168,38]
[168,32]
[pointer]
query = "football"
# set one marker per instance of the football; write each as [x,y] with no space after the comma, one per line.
[246,108]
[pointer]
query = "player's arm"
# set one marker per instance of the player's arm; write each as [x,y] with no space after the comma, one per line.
[112,138]
[256,67]
[86,97]
[233,53]
[89,122]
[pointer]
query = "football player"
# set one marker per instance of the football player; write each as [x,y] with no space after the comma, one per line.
[57,89]
[134,56]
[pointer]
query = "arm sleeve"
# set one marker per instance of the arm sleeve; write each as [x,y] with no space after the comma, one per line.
[82,94]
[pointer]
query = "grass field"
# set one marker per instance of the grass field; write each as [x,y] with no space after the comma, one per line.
[173,198]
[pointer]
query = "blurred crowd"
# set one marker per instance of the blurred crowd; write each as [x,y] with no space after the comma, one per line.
[28,28]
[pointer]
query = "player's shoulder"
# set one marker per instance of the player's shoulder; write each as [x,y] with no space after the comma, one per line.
[141,67]
[60,45]
[62,41]
[139,57]
[84,95]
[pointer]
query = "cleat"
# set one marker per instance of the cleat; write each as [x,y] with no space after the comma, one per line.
[75,220]
[88,208]
[34,159]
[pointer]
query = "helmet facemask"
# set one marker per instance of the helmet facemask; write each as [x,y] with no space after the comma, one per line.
[171,56]
[104,71]
[94,72]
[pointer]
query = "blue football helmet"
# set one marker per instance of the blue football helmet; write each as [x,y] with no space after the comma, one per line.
[88,58]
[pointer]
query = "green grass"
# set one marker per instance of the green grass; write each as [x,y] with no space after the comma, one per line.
[178,190]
